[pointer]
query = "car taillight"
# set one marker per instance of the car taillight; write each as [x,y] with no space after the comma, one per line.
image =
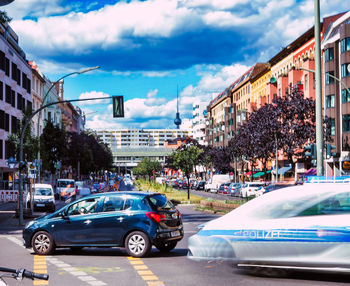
[179,214]
[156,217]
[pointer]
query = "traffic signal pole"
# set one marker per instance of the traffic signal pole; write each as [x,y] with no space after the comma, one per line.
[318,88]
[20,187]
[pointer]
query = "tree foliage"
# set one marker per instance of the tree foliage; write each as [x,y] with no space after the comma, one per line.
[30,143]
[53,146]
[185,158]
[147,168]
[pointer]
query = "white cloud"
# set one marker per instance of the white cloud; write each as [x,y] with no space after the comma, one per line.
[94,94]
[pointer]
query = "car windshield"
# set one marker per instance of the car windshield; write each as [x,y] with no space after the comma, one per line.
[288,202]
[160,202]
[43,192]
[65,184]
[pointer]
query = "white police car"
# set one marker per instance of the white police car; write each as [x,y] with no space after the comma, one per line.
[302,227]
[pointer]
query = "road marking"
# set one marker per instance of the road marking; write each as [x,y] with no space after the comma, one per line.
[40,267]
[144,272]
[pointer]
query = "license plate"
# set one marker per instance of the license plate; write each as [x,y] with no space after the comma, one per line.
[175,233]
[40,205]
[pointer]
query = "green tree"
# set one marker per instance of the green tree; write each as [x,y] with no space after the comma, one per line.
[53,145]
[147,167]
[185,158]
[4,17]
[30,143]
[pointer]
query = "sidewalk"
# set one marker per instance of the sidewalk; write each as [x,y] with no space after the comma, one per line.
[8,221]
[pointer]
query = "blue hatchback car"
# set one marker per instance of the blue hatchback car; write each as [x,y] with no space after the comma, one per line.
[134,220]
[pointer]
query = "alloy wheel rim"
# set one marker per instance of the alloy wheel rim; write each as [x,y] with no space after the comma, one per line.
[137,244]
[42,243]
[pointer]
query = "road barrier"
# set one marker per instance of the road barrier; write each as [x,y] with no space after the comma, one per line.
[8,195]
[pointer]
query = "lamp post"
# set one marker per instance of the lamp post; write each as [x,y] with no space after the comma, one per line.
[44,98]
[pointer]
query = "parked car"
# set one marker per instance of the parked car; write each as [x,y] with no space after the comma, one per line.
[223,189]
[253,189]
[201,185]
[43,198]
[274,187]
[134,220]
[301,227]
[234,189]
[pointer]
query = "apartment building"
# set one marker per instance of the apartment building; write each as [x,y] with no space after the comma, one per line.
[130,146]
[15,91]
[199,121]
[336,64]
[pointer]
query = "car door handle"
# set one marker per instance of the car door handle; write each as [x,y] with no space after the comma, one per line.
[87,222]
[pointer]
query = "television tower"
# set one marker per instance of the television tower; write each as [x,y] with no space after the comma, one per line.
[177,120]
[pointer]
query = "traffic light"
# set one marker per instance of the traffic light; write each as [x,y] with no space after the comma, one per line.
[310,151]
[329,151]
[118,106]
[22,165]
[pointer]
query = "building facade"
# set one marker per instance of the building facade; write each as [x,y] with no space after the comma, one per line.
[15,92]
[336,84]
[199,122]
[130,146]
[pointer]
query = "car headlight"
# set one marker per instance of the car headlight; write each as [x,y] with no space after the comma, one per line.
[29,224]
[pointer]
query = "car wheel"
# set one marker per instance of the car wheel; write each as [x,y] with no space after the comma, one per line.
[43,243]
[137,244]
[166,247]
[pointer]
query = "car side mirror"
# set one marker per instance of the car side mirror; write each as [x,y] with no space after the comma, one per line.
[64,215]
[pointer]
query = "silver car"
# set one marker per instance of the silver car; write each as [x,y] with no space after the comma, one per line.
[302,227]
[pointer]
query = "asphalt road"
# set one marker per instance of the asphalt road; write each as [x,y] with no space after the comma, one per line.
[112,266]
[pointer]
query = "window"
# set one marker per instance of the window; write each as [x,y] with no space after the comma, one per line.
[330,101]
[345,70]
[19,101]
[14,72]
[1,91]
[113,203]
[1,149]
[7,122]
[336,204]
[13,98]
[7,150]
[346,123]
[7,66]
[2,61]
[329,54]
[83,207]
[345,95]
[2,119]
[345,45]
[329,77]
[8,94]
[13,124]
[332,126]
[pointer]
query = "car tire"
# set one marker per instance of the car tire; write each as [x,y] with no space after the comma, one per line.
[137,244]
[43,243]
[53,208]
[166,247]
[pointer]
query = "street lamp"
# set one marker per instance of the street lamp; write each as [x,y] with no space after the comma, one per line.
[44,98]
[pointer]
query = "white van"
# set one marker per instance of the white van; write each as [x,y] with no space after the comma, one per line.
[43,197]
[216,181]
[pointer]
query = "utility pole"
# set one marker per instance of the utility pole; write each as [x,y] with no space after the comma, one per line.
[318,88]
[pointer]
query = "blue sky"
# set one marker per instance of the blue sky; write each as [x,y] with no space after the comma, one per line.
[146,49]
